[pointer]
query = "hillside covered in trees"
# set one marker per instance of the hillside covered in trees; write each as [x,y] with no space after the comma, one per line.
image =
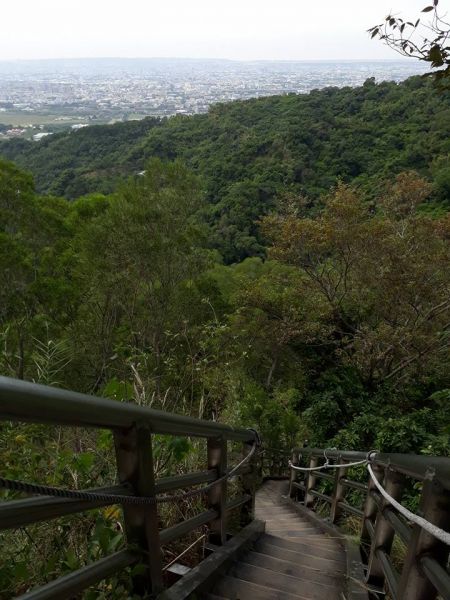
[282,264]
[248,154]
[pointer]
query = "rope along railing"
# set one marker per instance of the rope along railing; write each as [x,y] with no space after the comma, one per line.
[44,490]
[437,532]
[426,537]
[133,428]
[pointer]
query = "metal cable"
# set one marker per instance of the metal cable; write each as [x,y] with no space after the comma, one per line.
[44,490]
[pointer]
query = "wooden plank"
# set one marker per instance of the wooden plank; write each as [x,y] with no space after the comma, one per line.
[74,583]
[285,583]
[202,577]
[332,552]
[180,529]
[217,496]
[289,568]
[17,513]
[306,560]
[338,492]
[248,488]
[282,532]
[356,588]
[384,532]
[135,466]
[35,403]
[176,482]
[435,508]
[233,588]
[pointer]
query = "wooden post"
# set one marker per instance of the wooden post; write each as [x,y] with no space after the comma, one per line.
[311,481]
[217,496]
[435,508]
[370,507]
[248,487]
[135,466]
[394,484]
[293,491]
[338,492]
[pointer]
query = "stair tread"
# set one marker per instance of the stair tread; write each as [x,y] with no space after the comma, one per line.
[293,560]
[306,560]
[283,582]
[280,565]
[233,588]
[335,552]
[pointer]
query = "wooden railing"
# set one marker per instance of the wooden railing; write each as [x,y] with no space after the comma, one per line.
[424,574]
[132,427]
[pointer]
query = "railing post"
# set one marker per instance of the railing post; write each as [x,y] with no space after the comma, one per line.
[311,481]
[217,496]
[370,508]
[338,492]
[135,466]
[383,536]
[293,477]
[248,487]
[435,508]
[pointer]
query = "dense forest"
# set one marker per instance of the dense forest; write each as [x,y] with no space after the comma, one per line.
[279,263]
[248,154]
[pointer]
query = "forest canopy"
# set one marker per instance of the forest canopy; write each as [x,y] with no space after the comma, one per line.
[249,153]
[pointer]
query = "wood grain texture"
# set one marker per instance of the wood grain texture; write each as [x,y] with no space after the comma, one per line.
[292,560]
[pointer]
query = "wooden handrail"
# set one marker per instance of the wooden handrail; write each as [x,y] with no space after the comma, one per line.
[132,427]
[31,402]
[412,465]
[424,574]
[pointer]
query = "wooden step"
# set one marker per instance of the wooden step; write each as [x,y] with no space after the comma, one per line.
[293,560]
[285,583]
[332,552]
[282,532]
[306,560]
[288,568]
[236,589]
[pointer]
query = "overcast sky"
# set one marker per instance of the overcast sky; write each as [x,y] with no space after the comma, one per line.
[237,29]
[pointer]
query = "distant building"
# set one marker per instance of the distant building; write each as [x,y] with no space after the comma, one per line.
[79,126]
[15,132]
[37,137]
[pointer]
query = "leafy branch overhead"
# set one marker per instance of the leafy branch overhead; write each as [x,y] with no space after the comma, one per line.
[426,40]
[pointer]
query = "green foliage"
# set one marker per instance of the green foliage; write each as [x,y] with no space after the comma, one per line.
[425,41]
[249,152]
[331,328]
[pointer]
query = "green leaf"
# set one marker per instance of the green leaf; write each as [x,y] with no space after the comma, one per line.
[21,570]
[71,560]
[428,9]
[115,541]
[435,56]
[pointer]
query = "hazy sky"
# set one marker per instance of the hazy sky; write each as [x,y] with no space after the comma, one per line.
[239,29]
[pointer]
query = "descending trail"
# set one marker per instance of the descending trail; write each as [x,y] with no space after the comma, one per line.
[294,559]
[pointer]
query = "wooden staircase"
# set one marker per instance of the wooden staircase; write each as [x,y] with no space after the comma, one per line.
[293,559]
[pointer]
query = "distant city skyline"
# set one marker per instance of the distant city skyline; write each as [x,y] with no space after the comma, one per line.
[39,98]
[235,30]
